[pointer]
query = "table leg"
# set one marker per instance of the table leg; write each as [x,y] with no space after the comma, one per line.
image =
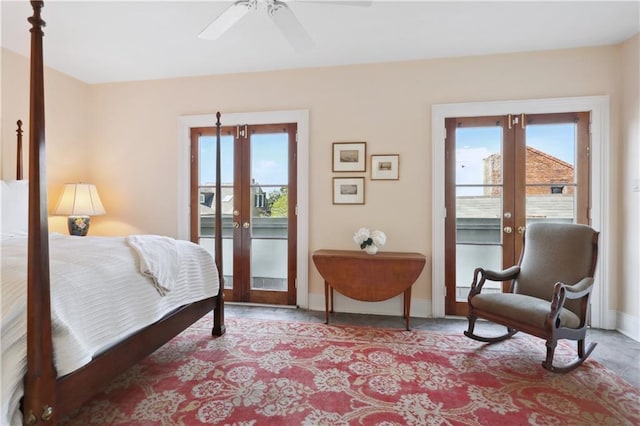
[326,302]
[407,306]
[331,298]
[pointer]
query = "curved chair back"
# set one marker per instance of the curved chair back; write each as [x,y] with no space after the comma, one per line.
[556,252]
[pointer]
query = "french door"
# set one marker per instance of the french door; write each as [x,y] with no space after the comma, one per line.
[502,173]
[258,208]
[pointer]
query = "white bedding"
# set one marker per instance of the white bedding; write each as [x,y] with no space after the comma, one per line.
[98,298]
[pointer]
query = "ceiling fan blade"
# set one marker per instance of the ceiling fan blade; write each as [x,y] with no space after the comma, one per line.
[365,3]
[227,19]
[290,27]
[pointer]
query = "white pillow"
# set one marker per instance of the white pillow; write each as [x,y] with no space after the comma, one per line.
[14,199]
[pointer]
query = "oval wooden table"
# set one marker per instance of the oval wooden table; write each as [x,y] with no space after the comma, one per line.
[369,278]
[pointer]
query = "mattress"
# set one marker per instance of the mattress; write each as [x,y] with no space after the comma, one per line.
[98,297]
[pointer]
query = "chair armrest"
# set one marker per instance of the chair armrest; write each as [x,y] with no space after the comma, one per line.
[579,289]
[508,274]
[562,292]
[505,275]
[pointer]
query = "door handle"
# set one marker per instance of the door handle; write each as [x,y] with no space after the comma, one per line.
[521,229]
[507,230]
[236,225]
[246,225]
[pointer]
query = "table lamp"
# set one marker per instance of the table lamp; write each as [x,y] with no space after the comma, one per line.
[79,201]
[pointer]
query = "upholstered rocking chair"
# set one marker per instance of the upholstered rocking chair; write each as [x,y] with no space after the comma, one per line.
[549,291]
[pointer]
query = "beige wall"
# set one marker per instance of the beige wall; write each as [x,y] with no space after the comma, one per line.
[66,116]
[628,304]
[134,136]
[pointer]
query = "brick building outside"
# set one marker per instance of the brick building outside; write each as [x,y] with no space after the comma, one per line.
[552,174]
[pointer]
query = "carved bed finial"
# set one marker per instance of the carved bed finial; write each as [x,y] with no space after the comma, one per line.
[36,20]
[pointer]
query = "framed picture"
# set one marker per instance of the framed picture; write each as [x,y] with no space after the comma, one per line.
[348,190]
[385,167]
[349,156]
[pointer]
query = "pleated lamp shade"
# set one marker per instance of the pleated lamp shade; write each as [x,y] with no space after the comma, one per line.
[79,201]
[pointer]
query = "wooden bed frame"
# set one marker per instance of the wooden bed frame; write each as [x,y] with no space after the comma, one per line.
[48,398]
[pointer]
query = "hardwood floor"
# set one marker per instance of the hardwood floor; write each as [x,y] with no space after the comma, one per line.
[616,351]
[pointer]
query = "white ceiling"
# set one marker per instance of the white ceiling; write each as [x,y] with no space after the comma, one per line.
[108,41]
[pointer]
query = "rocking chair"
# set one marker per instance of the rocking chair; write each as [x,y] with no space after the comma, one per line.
[549,291]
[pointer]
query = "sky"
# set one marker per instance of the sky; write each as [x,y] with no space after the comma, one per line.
[269,159]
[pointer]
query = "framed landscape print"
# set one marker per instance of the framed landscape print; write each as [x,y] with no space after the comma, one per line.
[349,156]
[385,167]
[348,190]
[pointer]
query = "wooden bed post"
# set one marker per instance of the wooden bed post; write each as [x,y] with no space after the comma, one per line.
[19,156]
[39,403]
[218,311]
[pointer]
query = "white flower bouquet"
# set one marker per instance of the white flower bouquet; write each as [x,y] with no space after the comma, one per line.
[365,238]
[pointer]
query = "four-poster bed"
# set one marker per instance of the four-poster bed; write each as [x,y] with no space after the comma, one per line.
[48,396]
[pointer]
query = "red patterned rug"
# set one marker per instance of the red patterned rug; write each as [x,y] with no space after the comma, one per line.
[265,372]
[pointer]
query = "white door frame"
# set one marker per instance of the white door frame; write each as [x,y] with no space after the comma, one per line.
[301,117]
[601,315]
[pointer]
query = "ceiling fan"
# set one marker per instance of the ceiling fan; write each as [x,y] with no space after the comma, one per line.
[278,11]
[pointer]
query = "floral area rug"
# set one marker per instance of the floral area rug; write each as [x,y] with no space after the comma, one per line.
[265,372]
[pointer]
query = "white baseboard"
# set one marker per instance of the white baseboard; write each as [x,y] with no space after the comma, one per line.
[420,308]
[628,325]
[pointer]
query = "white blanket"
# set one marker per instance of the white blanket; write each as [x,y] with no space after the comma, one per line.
[158,259]
[99,297]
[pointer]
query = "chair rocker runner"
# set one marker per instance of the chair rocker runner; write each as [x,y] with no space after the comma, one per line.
[549,292]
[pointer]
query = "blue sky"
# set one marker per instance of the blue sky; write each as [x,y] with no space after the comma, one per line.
[269,156]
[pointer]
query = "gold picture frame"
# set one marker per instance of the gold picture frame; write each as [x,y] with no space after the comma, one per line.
[348,190]
[349,157]
[385,167]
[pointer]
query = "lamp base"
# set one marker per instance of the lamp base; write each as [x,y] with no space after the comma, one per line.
[78,225]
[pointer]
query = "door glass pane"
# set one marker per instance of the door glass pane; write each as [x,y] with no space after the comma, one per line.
[478,239]
[470,257]
[227,258]
[479,180]
[207,158]
[550,208]
[551,172]
[269,211]
[206,187]
[478,156]
[269,264]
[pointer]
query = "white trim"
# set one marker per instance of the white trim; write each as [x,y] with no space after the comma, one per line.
[629,325]
[301,117]
[601,316]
